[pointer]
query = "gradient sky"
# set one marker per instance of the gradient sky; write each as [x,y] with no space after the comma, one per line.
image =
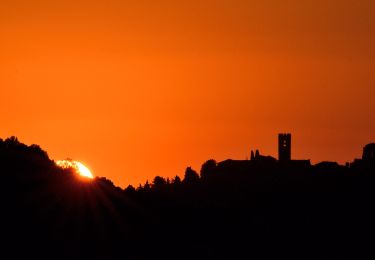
[141,88]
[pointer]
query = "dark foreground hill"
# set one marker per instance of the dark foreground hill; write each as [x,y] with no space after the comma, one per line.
[229,211]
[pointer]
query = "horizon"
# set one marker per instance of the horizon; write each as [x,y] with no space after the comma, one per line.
[259,208]
[137,89]
[71,163]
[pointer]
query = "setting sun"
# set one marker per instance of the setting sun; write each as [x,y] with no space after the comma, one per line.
[79,167]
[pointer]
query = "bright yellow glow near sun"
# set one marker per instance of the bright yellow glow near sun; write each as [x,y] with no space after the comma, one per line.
[79,167]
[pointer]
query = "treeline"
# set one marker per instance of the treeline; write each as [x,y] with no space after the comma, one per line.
[232,176]
[229,210]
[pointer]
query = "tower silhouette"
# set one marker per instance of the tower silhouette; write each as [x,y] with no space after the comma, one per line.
[285,147]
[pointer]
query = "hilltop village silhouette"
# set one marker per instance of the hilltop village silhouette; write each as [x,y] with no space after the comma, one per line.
[257,165]
[285,158]
[271,173]
[262,208]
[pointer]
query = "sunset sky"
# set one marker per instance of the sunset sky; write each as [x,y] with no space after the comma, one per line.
[140,88]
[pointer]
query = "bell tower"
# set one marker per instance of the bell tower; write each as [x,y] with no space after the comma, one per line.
[285,147]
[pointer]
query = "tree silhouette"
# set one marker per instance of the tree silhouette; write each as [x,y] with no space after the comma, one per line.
[130,189]
[208,168]
[176,181]
[159,183]
[191,176]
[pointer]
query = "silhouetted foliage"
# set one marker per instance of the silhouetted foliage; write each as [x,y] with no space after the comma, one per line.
[208,169]
[159,183]
[251,209]
[191,176]
[176,181]
[130,189]
[147,186]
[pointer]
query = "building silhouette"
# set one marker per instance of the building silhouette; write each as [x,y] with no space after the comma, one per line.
[285,147]
[258,160]
[369,153]
[368,158]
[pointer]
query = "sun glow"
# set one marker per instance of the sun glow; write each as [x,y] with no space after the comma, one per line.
[79,167]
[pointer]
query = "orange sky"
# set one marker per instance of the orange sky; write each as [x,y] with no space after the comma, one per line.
[141,88]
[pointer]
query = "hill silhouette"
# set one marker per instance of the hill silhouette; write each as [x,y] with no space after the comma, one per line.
[261,208]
